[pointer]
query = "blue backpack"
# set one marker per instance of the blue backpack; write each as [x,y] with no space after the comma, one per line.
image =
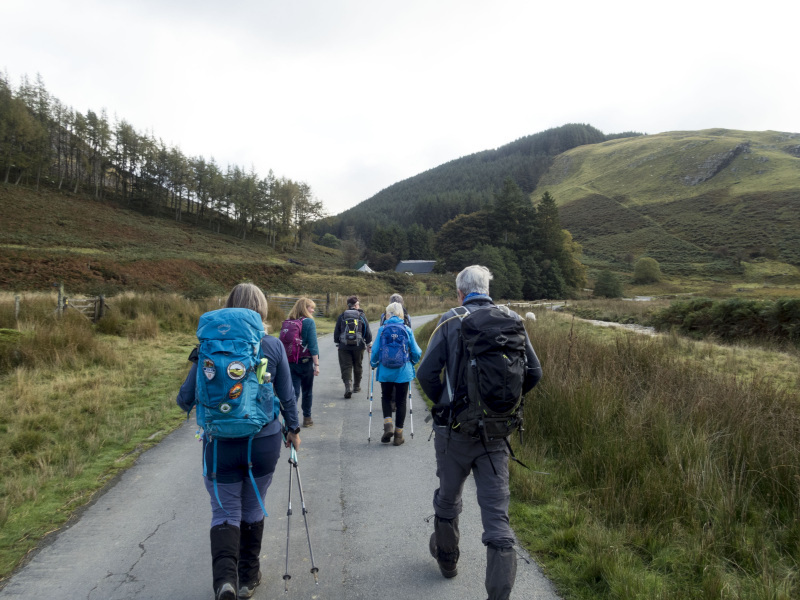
[234,394]
[394,345]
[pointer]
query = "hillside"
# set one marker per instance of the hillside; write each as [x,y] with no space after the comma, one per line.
[462,185]
[99,247]
[698,202]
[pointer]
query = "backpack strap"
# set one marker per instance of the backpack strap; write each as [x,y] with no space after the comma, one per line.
[446,375]
[253,479]
[213,475]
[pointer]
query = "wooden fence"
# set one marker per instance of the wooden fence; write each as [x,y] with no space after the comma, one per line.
[324,306]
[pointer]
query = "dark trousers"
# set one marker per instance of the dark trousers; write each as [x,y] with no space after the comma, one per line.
[397,392]
[456,457]
[351,359]
[235,489]
[303,382]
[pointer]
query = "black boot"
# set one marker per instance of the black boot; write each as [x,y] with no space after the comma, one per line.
[348,391]
[501,571]
[224,560]
[444,545]
[357,386]
[249,551]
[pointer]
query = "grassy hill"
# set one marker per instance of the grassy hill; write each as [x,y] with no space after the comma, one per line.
[699,202]
[99,247]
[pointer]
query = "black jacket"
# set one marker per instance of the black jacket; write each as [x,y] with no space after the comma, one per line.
[441,354]
[339,329]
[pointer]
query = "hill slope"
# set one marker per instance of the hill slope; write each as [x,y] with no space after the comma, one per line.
[698,202]
[98,247]
[462,185]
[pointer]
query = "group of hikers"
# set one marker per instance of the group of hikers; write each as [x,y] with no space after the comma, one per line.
[478,366]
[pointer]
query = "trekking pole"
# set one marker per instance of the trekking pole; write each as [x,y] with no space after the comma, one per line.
[371,385]
[314,569]
[410,410]
[286,576]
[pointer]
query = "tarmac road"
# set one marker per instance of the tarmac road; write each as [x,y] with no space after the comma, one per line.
[146,537]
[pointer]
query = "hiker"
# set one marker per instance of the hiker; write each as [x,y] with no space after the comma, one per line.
[459,453]
[394,355]
[398,298]
[351,335]
[302,352]
[237,519]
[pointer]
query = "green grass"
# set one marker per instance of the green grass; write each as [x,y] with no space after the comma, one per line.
[631,196]
[675,471]
[67,430]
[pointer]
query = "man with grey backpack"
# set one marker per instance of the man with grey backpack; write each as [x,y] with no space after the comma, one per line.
[489,365]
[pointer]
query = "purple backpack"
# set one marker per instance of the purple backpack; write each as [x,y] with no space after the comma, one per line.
[291,337]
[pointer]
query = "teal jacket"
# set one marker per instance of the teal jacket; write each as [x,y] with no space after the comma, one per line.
[309,336]
[401,374]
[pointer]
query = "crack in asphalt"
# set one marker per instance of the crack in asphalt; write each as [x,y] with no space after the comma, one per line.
[129,577]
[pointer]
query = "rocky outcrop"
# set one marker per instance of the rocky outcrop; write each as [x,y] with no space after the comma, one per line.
[793,150]
[715,163]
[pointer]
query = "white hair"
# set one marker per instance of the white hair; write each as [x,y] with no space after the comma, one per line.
[474,280]
[395,309]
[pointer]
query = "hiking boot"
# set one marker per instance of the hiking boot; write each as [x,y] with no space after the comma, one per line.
[388,433]
[398,437]
[226,592]
[248,589]
[224,560]
[249,551]
[357,387]
[446,560]
[501,571]
[348,392]
[307,422]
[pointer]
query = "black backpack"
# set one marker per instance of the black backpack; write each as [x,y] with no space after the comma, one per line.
[352,334]
[487,402]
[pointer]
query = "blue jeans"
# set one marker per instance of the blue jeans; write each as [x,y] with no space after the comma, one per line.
[303,381]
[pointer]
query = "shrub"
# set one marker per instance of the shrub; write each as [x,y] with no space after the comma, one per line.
[330,241]
[646,270]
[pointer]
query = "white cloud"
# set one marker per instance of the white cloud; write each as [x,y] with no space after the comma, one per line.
[353,96]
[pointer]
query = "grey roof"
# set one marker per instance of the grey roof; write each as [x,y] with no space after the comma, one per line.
[415,266]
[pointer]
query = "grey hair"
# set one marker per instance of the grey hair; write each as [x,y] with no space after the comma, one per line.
[395,309]
[396,298]
[474,279]
[248,295]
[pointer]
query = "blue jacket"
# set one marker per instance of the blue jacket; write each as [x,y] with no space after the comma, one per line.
[278,367]
[401,374]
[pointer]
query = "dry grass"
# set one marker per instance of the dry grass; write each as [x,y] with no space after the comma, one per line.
[675,475]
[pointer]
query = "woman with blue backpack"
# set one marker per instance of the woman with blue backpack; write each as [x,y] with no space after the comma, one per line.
[394,356]
[240,382]
[299,337]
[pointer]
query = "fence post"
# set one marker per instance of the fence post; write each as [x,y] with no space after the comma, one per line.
[16,308]
[99,305]
[327,304]
[60,308]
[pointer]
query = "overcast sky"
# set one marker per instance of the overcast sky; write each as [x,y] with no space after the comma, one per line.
[353,96]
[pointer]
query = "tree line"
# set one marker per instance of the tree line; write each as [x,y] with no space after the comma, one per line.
[46,142]
[522,243]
